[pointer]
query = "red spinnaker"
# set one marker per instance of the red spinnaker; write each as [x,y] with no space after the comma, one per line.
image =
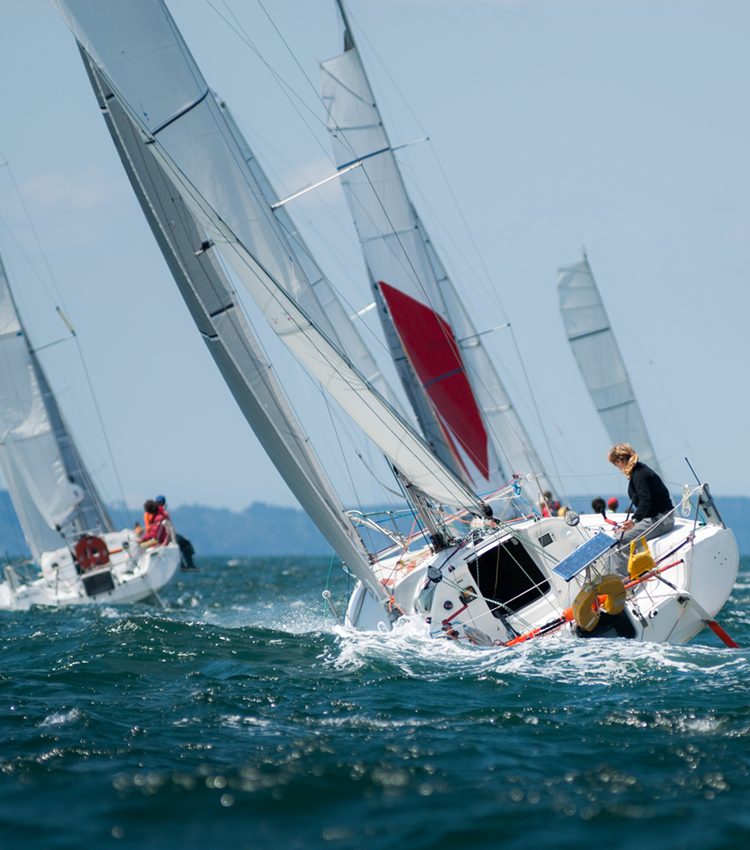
[430,344]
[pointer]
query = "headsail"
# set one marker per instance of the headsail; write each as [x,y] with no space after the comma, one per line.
[52,492]
[599,359]
[137,49]
[457,394]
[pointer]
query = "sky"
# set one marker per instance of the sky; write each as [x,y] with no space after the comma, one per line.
[618,125]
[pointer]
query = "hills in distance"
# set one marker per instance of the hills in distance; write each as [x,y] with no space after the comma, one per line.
[270,530]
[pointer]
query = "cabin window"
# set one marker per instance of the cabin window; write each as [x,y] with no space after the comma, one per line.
[508,577]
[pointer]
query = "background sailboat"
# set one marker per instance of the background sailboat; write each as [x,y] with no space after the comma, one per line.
[55,498]
[598,356]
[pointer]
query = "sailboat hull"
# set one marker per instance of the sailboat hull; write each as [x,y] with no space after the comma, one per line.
[498,587]
[132,575]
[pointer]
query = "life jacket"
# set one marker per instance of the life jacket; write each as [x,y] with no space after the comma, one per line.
[156,526]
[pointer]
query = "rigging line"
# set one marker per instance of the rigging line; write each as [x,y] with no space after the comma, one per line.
[101,420]
[53,296]
[302,71]
[42,253]
[536,407]
[286,88]
[343,426]
[493,289]
[347,467]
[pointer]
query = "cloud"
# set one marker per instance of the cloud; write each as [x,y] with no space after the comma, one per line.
[84,191]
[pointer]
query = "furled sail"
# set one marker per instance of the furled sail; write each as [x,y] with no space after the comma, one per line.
[51,489]
[599,359]
[457,394]
[141,56]
[228,336]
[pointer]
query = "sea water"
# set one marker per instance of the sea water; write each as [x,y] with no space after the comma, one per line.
[240,715]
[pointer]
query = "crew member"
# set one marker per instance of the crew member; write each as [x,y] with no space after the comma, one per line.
[653,515]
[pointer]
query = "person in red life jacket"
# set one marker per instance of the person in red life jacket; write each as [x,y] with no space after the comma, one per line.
[186,547]
[156,524]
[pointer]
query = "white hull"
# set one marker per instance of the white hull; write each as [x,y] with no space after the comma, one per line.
[498,586]
[133,574]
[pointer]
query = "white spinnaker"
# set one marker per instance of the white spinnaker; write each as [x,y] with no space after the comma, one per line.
[599,359]
[146,64]
[212,304]
[398,250]
[51,491]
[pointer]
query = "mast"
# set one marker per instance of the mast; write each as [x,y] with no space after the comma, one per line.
[51,489]
[458,397]
[598,356]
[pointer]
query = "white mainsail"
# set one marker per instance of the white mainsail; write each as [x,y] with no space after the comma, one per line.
[460,401]
[599,359]
[51,490]
[141,56]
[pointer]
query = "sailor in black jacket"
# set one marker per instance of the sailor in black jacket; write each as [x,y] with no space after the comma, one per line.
[653,515]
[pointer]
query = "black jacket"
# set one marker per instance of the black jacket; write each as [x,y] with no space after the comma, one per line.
[648,493]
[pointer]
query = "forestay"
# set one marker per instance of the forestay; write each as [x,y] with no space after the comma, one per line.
[456,392]
[51,490]
[144,61]
[599,359]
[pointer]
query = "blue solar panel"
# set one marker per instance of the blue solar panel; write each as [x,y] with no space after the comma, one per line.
[583,556]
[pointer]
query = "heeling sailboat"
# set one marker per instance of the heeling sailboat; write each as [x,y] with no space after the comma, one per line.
[450,379]
[598,356]
[495,585]
[82,558]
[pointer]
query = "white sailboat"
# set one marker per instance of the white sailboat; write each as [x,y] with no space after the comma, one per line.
[492,583]
[597,353]
[81,558]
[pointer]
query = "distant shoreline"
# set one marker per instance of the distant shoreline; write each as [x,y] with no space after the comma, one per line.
[272,530]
